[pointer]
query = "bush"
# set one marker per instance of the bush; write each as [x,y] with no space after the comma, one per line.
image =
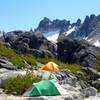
[74,68]
[30,60]
[11,55]
[97,85]
[20,84]
[46,60]
[97,66]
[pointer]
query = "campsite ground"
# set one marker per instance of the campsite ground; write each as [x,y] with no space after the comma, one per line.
[11,97]
[4,96]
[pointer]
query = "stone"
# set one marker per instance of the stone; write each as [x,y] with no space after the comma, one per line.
[90,91]
[77,51]
[9,74]
[4,63]
[27,42]
[95,75]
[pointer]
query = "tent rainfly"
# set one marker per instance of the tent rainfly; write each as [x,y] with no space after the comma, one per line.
[46,88]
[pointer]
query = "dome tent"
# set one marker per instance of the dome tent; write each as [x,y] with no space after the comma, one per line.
[45,88]
[50,66]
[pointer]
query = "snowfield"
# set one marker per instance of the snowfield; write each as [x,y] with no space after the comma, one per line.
[52,35]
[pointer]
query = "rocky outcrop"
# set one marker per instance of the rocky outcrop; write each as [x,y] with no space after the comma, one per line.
[88,30]
[90,91]
[47,25]
[27,42]
[53,29]
[77,51]
[6,64]
[94,74]
[69,83]
[6,74]
[8,70]
[71,50]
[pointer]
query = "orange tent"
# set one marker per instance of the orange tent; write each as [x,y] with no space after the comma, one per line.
[50,66]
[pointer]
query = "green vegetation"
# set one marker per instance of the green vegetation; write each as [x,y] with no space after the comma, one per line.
[11,56]
[97,66]
[74,68]
[97,85]
[20,84]
[18,60]
[61,38]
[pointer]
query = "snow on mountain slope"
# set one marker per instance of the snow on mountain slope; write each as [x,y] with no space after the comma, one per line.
[97,43]
[89,30]
[70,31]
[52,35]
[93,41]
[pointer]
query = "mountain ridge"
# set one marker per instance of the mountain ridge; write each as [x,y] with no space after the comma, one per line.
[76,47]
[88,30]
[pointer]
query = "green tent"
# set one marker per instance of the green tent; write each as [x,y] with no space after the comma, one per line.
[44,87]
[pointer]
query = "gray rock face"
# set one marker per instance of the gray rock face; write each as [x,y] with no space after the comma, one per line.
[90,91]
[53,29]
[77,51]
[8,70]
[68,50]
[95,75]
[27,42]
[47,25]
[72,51]
[9,74]
[88,30]
[7,65]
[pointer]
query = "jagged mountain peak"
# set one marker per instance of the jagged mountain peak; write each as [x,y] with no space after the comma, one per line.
[47,24]
[88,30]
[53,29]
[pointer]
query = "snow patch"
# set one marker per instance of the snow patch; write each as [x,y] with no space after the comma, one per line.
[70,31]
[89,40]
[94,42]
[85,38]
[52,35]
[69,27]
[97,43]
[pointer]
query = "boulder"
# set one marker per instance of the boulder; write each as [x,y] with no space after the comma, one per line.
[90,91]
[95,75]
[6,74]
[74,92]
[4,63]
[77,51]
[28,42]
[3,70]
